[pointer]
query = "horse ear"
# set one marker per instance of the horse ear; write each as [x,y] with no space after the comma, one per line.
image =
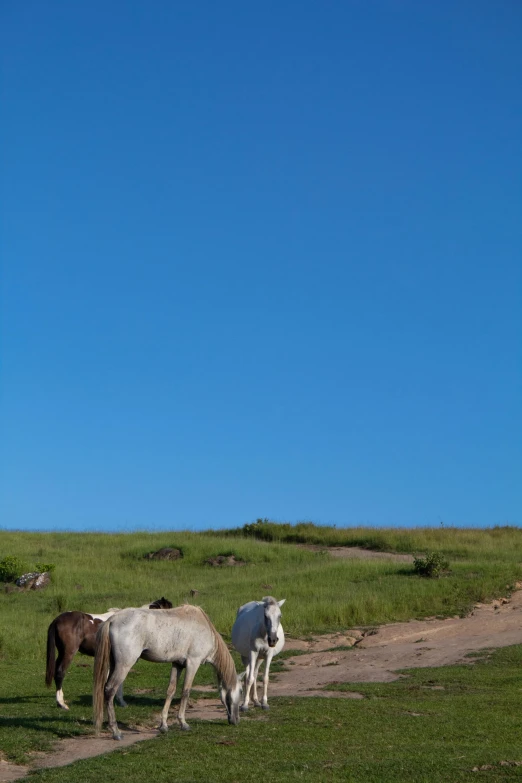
[281,602]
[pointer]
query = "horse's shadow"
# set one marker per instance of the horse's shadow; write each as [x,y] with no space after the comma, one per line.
[132,701]
[60,732]
[20,700]
[40,724]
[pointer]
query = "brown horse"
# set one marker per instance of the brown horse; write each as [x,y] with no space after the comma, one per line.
[71,632]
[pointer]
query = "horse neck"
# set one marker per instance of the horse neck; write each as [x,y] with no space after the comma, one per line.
[221,660]
[224,663]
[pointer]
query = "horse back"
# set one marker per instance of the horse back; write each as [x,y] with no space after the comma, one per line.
[170,635]
[76,631]
[88,644]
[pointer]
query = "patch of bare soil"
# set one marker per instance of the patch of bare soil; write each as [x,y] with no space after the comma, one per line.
[377,655]
[358,552]
[224,560]
[373,656]
[167,553]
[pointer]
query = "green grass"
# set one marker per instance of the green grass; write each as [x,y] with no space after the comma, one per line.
[431,725]
[325,739]
[97,571]
[454,542]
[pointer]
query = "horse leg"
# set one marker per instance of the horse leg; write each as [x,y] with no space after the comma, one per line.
[190,673]
[119,697]
[246,663]
[257,703]
[268,661]
[116,677]
[249,678]
[63,662]
[171,690]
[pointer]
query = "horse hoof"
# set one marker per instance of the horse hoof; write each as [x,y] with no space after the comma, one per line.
[265,706]
[244,708]
[117,737]
[257,704]
[163,729]
[185,727]
[62,706]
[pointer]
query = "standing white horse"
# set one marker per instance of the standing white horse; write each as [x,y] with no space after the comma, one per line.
[257,635]
[184,636]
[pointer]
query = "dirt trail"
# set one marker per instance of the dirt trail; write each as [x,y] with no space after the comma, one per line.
[374,657]
[358,552]
[417,643]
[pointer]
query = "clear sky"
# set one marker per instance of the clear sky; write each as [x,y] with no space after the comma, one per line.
[261,260]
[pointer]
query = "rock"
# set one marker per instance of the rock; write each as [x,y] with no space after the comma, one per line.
[34,580]
[167,553]
[9,587]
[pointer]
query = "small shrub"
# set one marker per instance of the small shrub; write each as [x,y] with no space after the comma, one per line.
[45,567]
[433,565]
[10,569]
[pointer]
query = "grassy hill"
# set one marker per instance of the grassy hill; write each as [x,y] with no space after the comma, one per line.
[95,571]
[472,719]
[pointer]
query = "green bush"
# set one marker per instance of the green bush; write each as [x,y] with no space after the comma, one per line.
[10,569]
[45,567]
[433,565]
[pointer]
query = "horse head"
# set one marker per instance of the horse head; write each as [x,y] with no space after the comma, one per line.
[272,618]
[231,699]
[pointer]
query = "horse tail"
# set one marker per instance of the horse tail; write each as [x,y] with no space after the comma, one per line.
[101,668]
[51,653]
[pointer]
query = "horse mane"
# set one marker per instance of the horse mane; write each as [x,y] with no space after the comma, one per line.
[160,603]
[222,660]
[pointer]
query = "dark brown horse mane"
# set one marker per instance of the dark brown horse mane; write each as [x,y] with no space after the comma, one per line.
[161,603]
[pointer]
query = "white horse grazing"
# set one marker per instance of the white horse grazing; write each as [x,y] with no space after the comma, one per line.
[257,635]
[184,636]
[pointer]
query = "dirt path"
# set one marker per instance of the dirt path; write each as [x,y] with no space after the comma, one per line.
[374,657]
[417,643]
[357,552]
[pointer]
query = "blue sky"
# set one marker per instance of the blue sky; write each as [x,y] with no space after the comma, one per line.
[261,260]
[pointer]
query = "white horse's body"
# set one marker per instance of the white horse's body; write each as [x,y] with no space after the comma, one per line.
[103,617]
[183,636]
[257,635]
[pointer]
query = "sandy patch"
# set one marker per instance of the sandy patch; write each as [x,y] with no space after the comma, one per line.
[358,552]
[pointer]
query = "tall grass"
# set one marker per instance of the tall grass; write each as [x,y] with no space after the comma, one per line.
[97,571]
[505,541]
